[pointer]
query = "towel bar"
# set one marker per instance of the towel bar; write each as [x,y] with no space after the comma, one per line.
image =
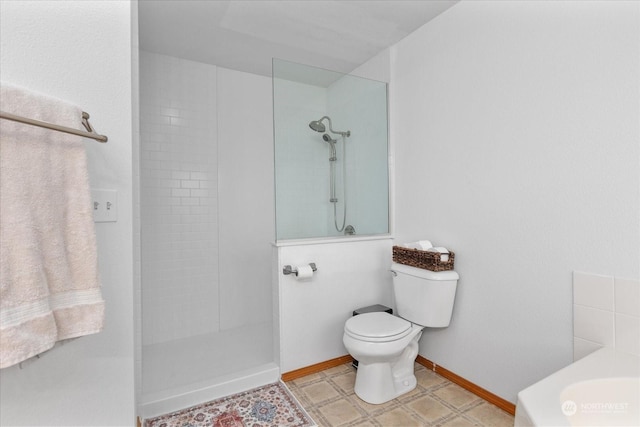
[85,122]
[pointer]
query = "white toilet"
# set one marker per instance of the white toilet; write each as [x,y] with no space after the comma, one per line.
[385,345]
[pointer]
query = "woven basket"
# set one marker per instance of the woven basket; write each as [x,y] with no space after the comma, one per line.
[422,259]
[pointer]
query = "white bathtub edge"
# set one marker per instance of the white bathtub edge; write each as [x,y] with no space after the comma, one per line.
[539,404]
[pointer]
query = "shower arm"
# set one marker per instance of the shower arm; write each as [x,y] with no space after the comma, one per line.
[347,133]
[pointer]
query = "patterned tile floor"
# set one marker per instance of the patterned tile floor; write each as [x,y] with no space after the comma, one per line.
[329,398]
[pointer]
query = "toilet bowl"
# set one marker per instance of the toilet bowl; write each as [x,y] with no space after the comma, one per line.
[385,345]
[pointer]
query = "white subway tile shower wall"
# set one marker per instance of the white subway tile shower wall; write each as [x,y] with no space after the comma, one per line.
[606,312]
[178,198]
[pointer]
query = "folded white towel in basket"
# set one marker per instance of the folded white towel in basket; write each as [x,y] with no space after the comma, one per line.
[49,285]
[444,252]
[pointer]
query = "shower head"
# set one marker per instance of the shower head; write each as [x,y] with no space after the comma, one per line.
[318,126]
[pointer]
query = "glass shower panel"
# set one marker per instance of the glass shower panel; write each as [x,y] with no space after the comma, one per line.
[203,324]
[331,153]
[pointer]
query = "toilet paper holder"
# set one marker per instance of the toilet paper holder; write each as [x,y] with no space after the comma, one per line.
[287,269]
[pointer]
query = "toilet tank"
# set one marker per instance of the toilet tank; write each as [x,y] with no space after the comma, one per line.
[424,297]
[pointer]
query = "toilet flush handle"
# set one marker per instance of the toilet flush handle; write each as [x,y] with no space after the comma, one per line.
[394,273]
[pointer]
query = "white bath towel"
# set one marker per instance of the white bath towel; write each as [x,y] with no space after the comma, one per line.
[49,286]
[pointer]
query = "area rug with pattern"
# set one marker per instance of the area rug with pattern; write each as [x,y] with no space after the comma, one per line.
[270,405]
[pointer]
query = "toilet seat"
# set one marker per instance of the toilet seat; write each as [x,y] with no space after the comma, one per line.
[377,327]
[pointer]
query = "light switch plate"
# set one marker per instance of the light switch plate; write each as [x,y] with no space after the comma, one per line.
[105,205]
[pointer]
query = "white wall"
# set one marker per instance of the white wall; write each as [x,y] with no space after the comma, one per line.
[81,52]
[350,275]
[516,134]
[377,68]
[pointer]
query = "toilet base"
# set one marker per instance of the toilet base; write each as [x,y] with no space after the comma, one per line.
[384,386]
[378,383]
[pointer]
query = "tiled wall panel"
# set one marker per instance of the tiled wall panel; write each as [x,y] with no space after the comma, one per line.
[606,313]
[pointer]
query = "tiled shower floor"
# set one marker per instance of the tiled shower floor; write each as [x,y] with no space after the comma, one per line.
[329,399]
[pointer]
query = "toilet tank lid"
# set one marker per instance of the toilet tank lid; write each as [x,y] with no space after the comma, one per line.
[424,274]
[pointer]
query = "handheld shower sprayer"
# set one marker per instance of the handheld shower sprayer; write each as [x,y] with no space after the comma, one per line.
[332,145]
[327,138]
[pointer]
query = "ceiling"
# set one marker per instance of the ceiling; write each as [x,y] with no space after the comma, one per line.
[243,35]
